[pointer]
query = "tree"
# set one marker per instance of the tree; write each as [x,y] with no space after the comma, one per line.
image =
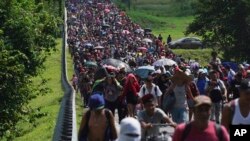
[224,24]
[27,36]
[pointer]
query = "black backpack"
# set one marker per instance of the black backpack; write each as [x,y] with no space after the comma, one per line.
[188,127]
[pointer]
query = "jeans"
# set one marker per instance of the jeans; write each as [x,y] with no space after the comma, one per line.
[179,115]
[216,111]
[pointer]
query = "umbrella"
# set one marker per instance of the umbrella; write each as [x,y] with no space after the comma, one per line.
[125,32]
[139,30]
[99,47]
[90,64]
[110,68]
[88,45]
[164,62]
[147,40]
[107,10]
[148,30]
[105,25]
[100,73]
[144,71]
[116,63]
[142,48]
[119,23]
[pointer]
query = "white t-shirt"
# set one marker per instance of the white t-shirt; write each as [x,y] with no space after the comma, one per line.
[155,91]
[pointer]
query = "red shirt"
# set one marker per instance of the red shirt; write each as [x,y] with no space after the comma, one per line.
[209,134]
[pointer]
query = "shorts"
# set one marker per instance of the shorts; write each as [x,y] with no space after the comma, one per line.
[131,99]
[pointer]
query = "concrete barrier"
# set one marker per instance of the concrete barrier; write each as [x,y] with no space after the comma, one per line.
[66,128]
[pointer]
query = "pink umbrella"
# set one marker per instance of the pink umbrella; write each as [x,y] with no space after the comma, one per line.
[107,10]
[119,23]
[125,32]
[142,48]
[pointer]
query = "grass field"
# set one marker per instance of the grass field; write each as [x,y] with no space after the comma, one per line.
[79,107]
[167,17]
[163,16]
[49,103]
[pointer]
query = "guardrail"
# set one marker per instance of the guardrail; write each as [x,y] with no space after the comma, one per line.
[66,129]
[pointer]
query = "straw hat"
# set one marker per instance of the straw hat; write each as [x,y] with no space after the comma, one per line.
[180,77]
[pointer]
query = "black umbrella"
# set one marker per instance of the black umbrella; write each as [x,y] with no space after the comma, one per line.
[116,63]
[147,30]
[100,73]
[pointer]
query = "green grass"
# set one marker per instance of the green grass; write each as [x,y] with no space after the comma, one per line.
[162,16]
[203,55]
[79,108]
[175,26]
[49,103]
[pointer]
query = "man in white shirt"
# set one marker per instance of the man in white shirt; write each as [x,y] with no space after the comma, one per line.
[150,88]
[237,112]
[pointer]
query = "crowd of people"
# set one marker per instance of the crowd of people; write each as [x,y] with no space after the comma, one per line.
[198,102]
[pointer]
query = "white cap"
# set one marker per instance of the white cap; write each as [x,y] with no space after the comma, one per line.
[201,71]
[188,72]
[130,130]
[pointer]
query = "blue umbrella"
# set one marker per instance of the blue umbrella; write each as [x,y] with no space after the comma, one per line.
[144,71]
[233,65]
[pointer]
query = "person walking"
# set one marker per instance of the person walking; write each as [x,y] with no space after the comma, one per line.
[131,89]
[217,91]
[169,39]
[237,112]
[181,90]
[130,130]
[151,115]
[150,88]
[201,128]
[112,90]
[201,82]
[98,123]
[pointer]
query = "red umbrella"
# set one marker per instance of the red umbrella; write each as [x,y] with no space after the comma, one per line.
[142,48]
[110,68]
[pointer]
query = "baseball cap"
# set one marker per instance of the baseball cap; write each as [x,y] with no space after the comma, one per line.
[245,85]
[130,130]
[202,100]
[96,102]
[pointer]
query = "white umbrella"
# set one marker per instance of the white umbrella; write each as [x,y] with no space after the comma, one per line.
[147,40]
[99,47]
[139,30]
[164,62]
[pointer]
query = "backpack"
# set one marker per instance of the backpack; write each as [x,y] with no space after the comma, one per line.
[188,127]
[144,90]
[108,133]
[216,94]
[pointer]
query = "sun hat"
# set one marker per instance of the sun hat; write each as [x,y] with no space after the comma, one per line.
[96,102]
[130,130]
